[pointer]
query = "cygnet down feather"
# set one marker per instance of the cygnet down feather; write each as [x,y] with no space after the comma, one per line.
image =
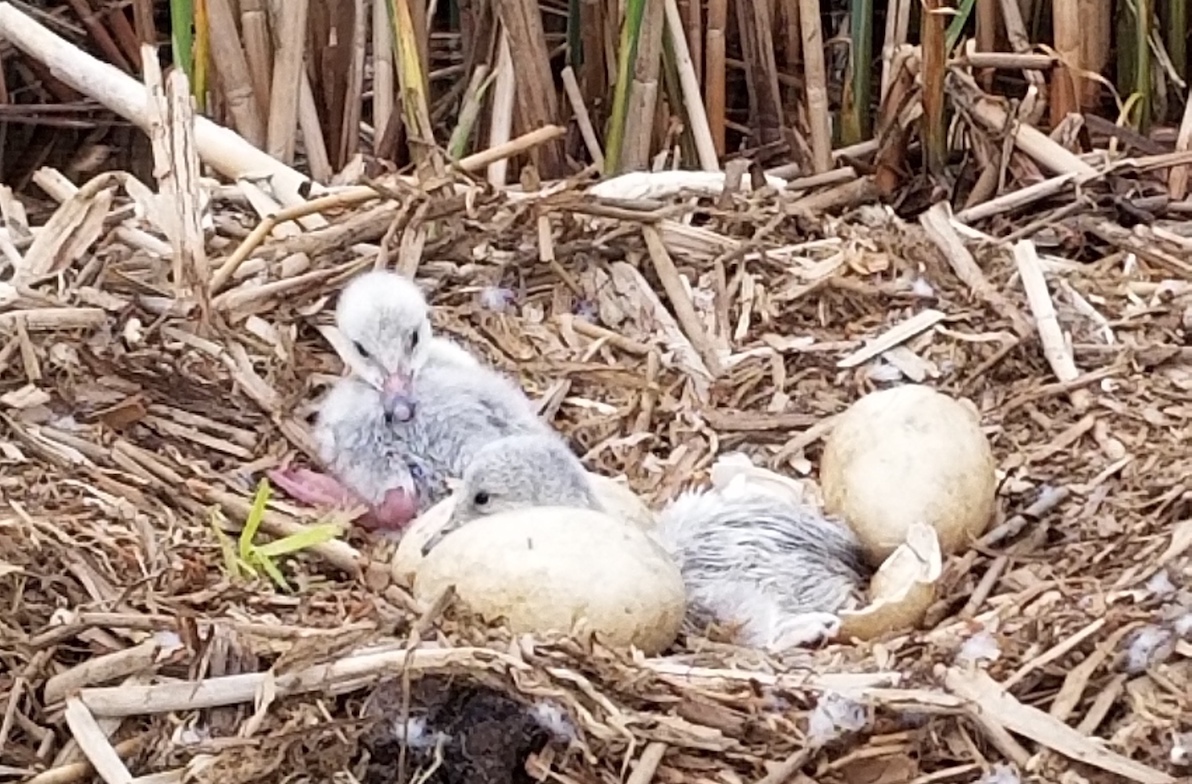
[415,408]
[776,570]
[516,472]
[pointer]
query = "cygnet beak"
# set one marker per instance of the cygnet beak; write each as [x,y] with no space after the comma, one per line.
[397,397]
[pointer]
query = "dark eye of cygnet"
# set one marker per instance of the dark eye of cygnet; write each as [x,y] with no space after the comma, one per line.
[480,499]
[360,348]
[414,341]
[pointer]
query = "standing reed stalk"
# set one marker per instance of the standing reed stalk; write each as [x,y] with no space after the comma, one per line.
[933,35]
[1067,31]
[815,73]
[855,125]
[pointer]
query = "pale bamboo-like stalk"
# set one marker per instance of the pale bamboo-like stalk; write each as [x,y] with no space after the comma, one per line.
[384,78]
[258,48]
[693,25]
[1096,42]
[349,136]
[500,126]
[897,24]
[582,118]
[714,71]
[643,92]
[817,86]
[233,72]
[313,139]
[537,102]
[1177,179]
[697,117]
[288,67]
[1067,30]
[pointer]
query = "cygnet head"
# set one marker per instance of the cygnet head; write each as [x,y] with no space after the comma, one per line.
[516,472]
[520,471]
[387,322]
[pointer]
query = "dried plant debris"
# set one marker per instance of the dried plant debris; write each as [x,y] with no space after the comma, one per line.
[137,641]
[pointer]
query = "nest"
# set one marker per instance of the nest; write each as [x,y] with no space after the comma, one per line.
[656,336]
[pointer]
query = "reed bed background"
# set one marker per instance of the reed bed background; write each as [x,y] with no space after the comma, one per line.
[804,87]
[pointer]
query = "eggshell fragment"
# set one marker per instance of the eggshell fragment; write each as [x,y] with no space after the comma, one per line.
[420,531]
[909,455]
[901,591]
[556,569]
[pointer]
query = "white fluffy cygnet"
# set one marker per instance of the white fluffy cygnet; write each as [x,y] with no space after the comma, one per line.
[416,407]
[749,558]
[778,570]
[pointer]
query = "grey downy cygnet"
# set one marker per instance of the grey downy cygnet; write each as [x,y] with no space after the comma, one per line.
[416,406]
[777,570]
[517,472]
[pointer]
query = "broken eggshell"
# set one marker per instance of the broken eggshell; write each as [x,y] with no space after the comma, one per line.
[901,590]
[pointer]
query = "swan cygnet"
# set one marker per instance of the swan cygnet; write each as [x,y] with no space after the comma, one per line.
[416,406]
[777,570]
[517,472]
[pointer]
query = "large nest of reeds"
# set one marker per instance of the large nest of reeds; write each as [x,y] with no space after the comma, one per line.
[133,433]
[164,621]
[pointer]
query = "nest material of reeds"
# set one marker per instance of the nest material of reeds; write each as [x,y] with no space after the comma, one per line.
[154,366]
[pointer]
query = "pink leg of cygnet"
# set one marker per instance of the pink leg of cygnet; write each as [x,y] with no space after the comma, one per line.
[394,512]
[311,487]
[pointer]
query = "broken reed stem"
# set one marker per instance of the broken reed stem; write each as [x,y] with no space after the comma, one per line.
[816,75]
[697,117]
[676,292]
[1051,335]
[234,75]
[383,74]
[933,31]
[582,119]
[714,70]
[288,68]
[500,124]
[643,90]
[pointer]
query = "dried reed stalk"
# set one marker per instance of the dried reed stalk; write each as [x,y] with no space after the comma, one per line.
[816,75]
[288,65]
[383,73]
[697,117]
[176,166]
[756,30]
[1096,42]
[258,48]
[582,118]
[933,29]
[233,72]
[537,103]
[501,119]
[313,140]
[1067,31]
[898,20]
[354,88]
[691,12]
[643,91]
[714,87]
